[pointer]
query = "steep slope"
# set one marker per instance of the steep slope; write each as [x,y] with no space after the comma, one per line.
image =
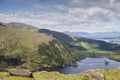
[68,40]
[26,49]
[81,43]
[60,36]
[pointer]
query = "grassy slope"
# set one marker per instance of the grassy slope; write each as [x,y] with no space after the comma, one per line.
[111,74]
[16,45]
[31,50]
[9,37]
[57,76]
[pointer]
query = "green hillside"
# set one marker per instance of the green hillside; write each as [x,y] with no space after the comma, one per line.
[86,47]
[45,49]
[26,49]
[81,43]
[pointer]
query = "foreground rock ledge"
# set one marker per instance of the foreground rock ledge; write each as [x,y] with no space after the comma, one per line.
[94,74]
[20,72]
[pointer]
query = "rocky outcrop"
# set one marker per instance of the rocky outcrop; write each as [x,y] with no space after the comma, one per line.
[20,72]
[94,74]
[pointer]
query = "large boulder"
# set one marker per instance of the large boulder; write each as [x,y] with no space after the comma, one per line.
[20,72]
[94,74]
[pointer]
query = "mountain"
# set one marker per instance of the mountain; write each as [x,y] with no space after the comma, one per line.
[106,35]
[19,26]
[81,43]
[96,35]
[31,50]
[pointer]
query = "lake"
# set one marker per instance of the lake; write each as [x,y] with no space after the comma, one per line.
[89,63]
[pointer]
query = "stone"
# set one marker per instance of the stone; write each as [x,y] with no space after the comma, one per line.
[94,74]
[20,72]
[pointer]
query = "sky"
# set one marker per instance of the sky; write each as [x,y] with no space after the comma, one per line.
[64,15]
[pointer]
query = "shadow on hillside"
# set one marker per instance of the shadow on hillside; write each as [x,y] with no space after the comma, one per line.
[8,61]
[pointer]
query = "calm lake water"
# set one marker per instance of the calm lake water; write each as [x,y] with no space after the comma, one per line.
[89,63]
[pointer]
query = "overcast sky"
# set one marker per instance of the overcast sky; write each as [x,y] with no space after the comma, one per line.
[64,15]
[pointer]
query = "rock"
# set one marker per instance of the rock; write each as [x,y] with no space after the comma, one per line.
[94,74]
[20,72]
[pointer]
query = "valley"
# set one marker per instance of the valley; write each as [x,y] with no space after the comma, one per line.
[59,39]
[45,50]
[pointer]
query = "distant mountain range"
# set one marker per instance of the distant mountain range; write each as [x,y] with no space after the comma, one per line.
[96,35]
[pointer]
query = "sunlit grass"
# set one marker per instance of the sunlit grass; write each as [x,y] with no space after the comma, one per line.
[18,78]
[57,76]
[111,74]
[4,75]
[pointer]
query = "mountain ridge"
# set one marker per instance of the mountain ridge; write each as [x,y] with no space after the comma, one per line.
[19,26]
